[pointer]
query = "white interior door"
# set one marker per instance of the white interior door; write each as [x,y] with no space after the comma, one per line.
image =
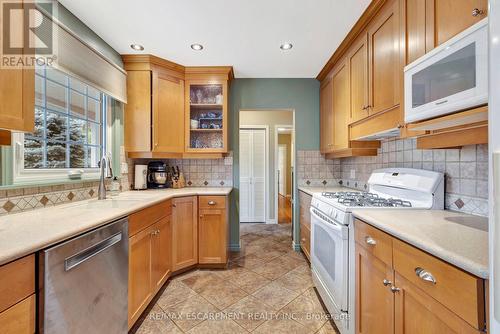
[253,175]
[282,169]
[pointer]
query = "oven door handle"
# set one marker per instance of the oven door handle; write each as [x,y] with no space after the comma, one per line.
[336,226]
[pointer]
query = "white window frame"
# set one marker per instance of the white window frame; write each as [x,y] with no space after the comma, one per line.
[29,176]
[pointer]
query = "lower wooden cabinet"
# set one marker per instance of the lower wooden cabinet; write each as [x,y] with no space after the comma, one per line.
[374,299]
[20,318]
[394,296]
[213,231]
[17,296]
[184,232]
[150,259]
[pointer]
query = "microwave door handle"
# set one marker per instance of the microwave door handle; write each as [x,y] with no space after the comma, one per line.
[335,225]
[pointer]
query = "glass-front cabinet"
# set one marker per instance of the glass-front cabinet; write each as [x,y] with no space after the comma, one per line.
[206,114]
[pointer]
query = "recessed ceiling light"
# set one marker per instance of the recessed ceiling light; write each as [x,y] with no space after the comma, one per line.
[197,47]
[286,46]
[137,47]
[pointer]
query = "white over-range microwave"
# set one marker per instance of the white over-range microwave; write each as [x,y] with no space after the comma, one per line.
[450,78]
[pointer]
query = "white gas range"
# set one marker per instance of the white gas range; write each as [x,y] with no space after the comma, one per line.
[332,230]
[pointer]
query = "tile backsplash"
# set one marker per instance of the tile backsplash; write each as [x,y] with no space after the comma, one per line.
[466,170]
[197,172]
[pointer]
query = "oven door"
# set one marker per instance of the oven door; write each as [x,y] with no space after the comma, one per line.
[330,257]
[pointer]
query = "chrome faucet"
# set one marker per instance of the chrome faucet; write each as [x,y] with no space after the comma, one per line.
[106,173]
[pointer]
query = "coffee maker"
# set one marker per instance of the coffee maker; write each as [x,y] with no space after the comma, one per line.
[159,175]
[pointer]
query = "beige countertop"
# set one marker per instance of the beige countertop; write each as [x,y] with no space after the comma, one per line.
[27,232]
[312,190]
[456,238]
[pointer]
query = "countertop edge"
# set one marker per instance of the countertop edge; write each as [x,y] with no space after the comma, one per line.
[61,237]
[442,254]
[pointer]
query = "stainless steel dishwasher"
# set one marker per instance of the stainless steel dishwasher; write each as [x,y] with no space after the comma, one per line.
[84,283]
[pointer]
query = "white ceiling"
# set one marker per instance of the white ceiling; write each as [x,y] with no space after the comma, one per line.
[243,33]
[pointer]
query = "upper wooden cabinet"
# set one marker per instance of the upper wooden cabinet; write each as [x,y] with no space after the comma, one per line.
[207,109]
[17,100]
[326,115]
[154,114]
[341,106]
[385,70]
[430,23]
[174,111]
[357,60]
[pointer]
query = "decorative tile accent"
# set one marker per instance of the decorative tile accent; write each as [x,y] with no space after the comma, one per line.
[70,196]
[8,206]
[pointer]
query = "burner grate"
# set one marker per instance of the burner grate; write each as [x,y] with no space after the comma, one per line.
[365,199]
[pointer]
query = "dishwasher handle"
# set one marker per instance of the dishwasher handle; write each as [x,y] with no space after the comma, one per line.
[86,254]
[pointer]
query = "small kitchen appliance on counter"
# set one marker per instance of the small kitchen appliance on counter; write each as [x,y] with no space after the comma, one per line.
[141,177]
[159,175]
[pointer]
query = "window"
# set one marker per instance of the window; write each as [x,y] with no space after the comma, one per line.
[70,130]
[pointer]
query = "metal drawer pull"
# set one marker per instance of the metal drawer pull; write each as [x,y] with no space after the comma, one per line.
[370,241]
[477,12]
[211,203]
[86,254]
[395,289]
[386,282]
[425,275]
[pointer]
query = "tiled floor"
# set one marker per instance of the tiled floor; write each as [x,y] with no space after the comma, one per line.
[266,289]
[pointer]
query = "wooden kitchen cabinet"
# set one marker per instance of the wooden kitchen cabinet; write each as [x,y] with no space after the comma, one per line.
[150,257]
[305,223]
[184,232]
[392,296]
[374,299]
[385,69]
[340,82]
[213,230]
[326,115]
[17,296]
[357,59]
[154,113]
[417,312]
[17,100]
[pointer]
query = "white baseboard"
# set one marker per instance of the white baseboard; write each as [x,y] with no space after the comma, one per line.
[271,221]
[234,247]
[296,246]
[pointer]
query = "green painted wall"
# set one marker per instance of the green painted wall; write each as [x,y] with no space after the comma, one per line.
[301,95]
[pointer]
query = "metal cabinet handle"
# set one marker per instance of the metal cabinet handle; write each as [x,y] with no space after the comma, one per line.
[370,241]
[86,254]
[386,282]
[400,126]
[174,205]
[395,289]
[477,12]
[425,275]
[211,203]
[201,216]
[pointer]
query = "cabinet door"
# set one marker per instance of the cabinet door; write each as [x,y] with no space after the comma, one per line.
[20,318]
[326,115]
[137,117]
[357,60]
[139,281]
[384,54]
[341,107]
[374,300]
[17,100]
[184,232]
[450,17]
[417,313]
[168,114]
[213,236]
[415,29]
[161,258]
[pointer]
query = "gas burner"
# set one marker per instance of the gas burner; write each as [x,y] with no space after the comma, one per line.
[366,199]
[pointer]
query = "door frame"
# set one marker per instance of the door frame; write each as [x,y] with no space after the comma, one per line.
[266,178]
[286,158]
[276,157]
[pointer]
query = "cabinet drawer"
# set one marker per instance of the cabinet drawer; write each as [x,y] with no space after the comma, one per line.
[212,202]
[305,239]
[20,318]
[374,241]
[17,281]
[459,291]
[147,217]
